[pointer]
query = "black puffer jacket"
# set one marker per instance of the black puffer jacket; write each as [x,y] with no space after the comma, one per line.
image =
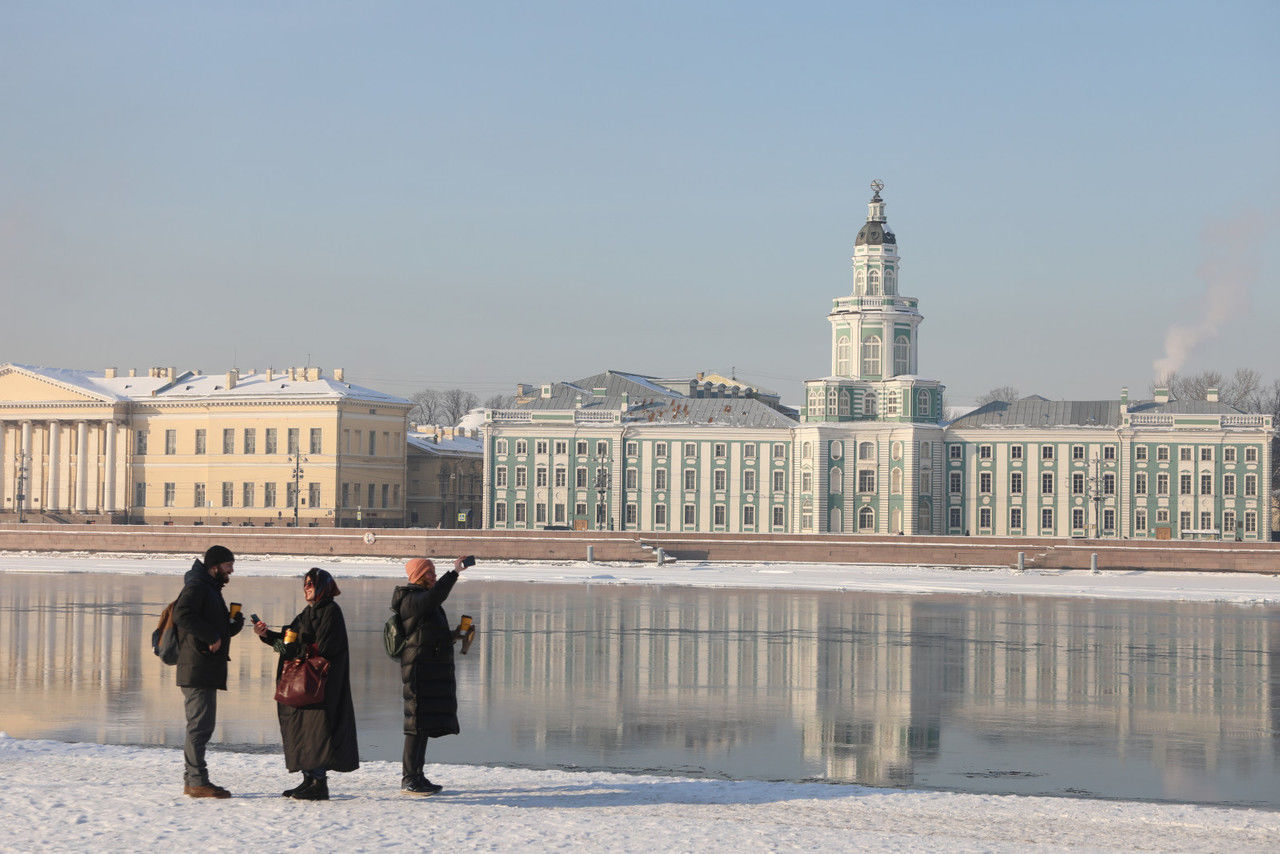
[202,619]
[426,665]
[323,735]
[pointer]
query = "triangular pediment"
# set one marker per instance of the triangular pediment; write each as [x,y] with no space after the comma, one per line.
[19,384]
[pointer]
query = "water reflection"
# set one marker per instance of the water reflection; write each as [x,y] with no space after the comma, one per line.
[992,694]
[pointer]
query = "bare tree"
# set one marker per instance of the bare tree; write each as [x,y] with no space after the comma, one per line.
[498,401]
[1238,390]
[454,404]
[426,406]
[1006,393]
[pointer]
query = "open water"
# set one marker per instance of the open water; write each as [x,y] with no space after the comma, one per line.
[1079,697]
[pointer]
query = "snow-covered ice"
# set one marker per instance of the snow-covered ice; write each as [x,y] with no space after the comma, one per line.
[81,797]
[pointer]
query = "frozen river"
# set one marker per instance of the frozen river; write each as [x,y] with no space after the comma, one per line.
[1162,700]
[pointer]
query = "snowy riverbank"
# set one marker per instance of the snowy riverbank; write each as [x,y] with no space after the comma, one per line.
[1229,587]
[78,797]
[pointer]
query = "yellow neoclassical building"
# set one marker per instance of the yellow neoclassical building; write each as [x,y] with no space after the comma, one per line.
[184,447]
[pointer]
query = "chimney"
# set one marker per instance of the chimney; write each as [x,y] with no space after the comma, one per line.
[233,377]
[338,374]
[701,374]
[1162,394]
[546,390]
[313,374]
[1211,395]
[271,374]
[1124,395]
[133,372]
[626,401]
[110,373]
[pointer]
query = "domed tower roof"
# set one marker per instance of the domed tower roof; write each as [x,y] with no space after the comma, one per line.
[876,232]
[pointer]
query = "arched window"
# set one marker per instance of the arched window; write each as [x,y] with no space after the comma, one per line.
[922,403]
[806,451]
[835,483]
[924,517]
[859,282]
[895,481]
[844,403]
[869,404]
[831,401]
[901,355]
[871,356]
[866,519]
[873,283]
[815,402]
[866,451]
[836,523]
[842,356]
[890,282]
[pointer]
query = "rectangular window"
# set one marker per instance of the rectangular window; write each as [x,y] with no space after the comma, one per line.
[689,515]
[1229,485]
[984,483]
[748,481]
[580,509]
[954,483]
[1228,522]
[1077,519]
[170,494]
[1046,452]
[779,481]
[954,518]
[1077,452]
[140,442]
[984,518]
[522,447]
[1015,518]
[806,481]
[198,499]
[748,451]
[1015,483]
[371,493]
[373,442]
[1184,455]
[602,449]
[1228,455]
[718,515]
[139,495]
[1251,486]
[500,476]
[633,449]
[500,513]
[1109,520]
[1251,522]
[1162,454]
[316,443]
[1250,455]
[748,516]
[659,479]
[955,452]
[660,514]
[1162,484]
[1140,453]
[629,514]
[1206,455]
[779,451]
[250,441]
[1077,484]
[1015,452]
[1206,521]
[1184,520]
[228,441]
[580,447]
[269,446]
[1140,520]
[1046,483]
[1140,483]
[540,476]
[719,450]
[779,518]
[660,450]
[562,446]
[866,480]
[1206,484]
[1046,519]
[171,442]
[1184,484]
[630,479]
[562,476]
[690,449]
[201,441]
[984,452]
[540,446]
[690,479]
[228,493]
[313,494]
[1109,452]
[521,515]
[1162,517]
[580,477]
[269,494]
[558,513]
[246,494]
[522,477]
[719,476]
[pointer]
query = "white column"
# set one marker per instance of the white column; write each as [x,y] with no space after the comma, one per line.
[109,471]
[24,461]
[55,466]
[82,467]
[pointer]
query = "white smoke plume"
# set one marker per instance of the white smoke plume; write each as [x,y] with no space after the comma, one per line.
[1228,272]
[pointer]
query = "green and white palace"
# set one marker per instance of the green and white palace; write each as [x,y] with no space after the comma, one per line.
[869,452]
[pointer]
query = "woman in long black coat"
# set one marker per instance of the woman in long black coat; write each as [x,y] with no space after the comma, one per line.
[426,667]
[322,737]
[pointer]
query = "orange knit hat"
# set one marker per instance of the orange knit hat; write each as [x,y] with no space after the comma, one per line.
[417,567]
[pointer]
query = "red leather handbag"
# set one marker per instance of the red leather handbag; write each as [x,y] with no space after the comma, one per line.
[302,679]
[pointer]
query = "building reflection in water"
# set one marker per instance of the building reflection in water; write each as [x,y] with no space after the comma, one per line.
[977,693]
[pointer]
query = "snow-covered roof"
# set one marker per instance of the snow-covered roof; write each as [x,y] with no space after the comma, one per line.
[447,446]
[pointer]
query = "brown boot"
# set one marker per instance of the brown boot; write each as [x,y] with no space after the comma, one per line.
[208,790]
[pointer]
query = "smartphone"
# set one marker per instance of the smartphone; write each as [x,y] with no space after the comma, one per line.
[469,560]
[253,619]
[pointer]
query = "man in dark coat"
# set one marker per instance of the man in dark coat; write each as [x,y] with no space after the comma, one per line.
[321,737]
[205,629]
[426,667]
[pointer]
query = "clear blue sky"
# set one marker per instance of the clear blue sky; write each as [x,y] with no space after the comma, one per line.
[477,194]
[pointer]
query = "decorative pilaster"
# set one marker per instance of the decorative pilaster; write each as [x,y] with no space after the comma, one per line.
[52,495]
[109,470]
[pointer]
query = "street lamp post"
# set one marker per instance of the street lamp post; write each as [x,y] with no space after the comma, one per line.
[297,459]
[602,495]
[20,464]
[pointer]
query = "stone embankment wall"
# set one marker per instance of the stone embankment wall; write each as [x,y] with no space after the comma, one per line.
[629,546]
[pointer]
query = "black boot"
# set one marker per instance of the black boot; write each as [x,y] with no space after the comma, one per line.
[317,791]
[301,787]
[421,786]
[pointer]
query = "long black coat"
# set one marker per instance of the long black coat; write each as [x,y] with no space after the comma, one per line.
[322,735]
[202,619]
[426,665]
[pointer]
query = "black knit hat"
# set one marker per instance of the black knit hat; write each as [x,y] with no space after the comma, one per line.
[216,555]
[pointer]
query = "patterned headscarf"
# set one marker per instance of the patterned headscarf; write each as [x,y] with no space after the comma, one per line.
[322,581]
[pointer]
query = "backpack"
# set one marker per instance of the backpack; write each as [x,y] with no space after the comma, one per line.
[393,637]
[164,640]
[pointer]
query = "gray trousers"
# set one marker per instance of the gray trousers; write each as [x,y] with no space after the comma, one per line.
[202,712]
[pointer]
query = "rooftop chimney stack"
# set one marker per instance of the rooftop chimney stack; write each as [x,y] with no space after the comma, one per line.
[1211,395]
[233,377]
[338,374]
[1162,394]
